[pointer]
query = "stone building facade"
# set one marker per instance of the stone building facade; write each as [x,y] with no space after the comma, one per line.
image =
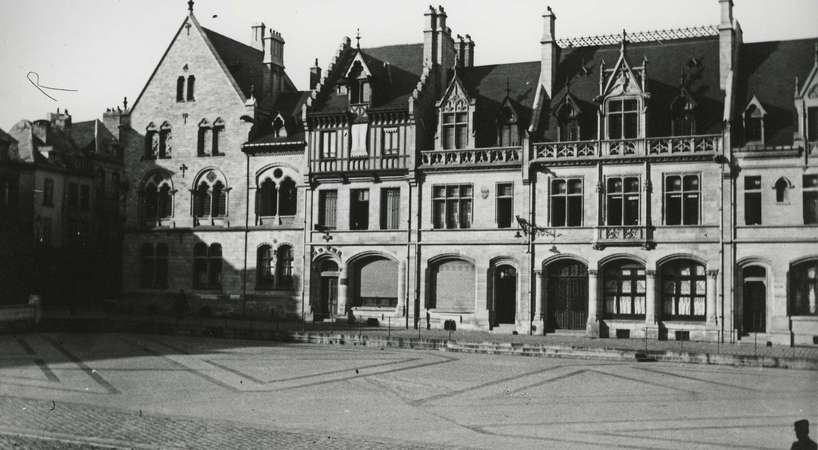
[60,210]
[658,184]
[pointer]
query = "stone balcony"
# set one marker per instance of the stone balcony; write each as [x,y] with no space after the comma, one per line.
[359,164]
[681,146]
[623,236]
[471,158]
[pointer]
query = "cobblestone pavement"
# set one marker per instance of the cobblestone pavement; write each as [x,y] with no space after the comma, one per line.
[140,391]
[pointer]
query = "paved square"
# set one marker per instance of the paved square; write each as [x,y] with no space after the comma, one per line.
[138,391]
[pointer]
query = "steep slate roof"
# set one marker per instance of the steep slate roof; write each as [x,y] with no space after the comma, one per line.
[768,70]
[243,61]
[289,105]
[392,86]
[82,133]
[490,85]
[665,62]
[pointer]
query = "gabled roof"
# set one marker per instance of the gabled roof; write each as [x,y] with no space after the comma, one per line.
[767,70]
[83,135]
[392,83]
[581,66]
[242,63]
[288,105]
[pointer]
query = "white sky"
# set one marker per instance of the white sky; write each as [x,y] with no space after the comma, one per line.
[107,49]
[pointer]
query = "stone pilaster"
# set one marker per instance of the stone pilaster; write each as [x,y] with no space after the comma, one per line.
[592,327]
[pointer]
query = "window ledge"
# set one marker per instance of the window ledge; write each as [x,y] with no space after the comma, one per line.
[804,318]
[670,323]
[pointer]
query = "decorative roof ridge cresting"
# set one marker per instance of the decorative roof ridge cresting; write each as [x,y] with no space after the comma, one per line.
[642,36]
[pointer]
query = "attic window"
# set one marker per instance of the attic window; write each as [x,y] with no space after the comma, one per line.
[623,118]
[455,130]
[753,121]
[683,116]
[567,123]
[360,91]
[278,127]
[507,133]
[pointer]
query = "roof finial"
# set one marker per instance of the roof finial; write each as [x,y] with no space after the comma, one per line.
[125,103]
[358,38]
[190,6]
[624,41]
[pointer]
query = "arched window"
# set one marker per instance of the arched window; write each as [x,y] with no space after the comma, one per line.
[264,268]
[191,86]
[151,142]
[278,127]
[218,128]
[624,290]
[451,286]
[287,198]
[267,198]
[684,287]
[781,188]
[157,198]
[210,196]
[753,121]
[203,143]
[165,141]
[804,289]
[180,89]
[276,195]
[284,267]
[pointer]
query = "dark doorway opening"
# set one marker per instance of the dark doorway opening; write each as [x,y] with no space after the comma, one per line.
[505,295]
[567,296]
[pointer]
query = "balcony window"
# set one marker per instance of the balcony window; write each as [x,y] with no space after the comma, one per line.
[623,118]
[504,204]
[329,144]
[390,141]
[452,206]
[508,134]
[568,123]
[566,202]
[682,200]
[752,200]
[359,209]
[622,201]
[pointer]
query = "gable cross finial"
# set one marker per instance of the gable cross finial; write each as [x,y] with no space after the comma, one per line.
[190,6]
[125,103]
[624,41]
[358,38]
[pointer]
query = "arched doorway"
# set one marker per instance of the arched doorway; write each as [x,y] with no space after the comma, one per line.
[567,295]
[328,290]
[505,295]
[754,300]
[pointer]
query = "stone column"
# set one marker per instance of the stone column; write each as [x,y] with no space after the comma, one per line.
[592,327]
[710,306]
[342,295]
[651,300]
[401,288]
[539,302]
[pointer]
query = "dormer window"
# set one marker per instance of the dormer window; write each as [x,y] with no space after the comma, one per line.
[455,130]
[753,121]
[567,123]
[508,133]
[623,118]
[279,130]
[360,90]
[682,116]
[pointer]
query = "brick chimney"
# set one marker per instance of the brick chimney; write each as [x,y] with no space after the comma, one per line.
[548,65]
[315,75]
[117,120]
[257,35]
[60,120]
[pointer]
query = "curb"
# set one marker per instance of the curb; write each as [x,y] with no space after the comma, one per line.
[413,343]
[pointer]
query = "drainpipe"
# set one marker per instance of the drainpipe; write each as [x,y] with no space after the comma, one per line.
[532,287]
[246,233]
